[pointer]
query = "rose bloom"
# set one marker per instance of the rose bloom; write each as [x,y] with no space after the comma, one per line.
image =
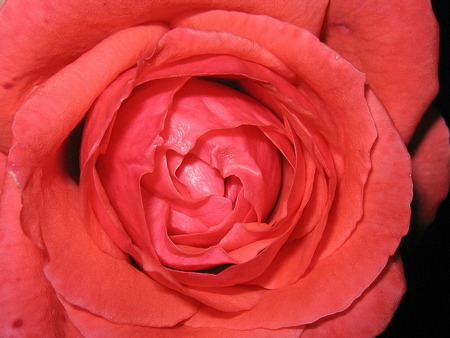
[213,168]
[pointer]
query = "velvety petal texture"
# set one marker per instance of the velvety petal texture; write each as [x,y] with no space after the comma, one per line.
[165,172]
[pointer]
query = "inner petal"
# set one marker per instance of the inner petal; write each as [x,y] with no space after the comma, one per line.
[232,188]
[200,179]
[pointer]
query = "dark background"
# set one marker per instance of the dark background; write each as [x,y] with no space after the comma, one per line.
[424,310]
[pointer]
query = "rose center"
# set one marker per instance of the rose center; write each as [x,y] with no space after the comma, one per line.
[199,178]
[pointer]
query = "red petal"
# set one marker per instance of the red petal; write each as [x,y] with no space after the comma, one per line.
[29,305]
[396,45]
[382,297]
[91,325]
[76,262]
[97,128]
[60,104]
[201,43]
[430,151]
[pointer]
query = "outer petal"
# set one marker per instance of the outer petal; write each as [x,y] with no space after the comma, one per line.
[93,326]
[396,44]
[430,151]
[76,262]
[61,103]
[52,202]
[29,305]
[51,35]
[366,309]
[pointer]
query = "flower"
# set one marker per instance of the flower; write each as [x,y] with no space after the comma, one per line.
[242,169]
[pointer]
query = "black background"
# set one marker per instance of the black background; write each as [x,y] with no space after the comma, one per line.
[424,310]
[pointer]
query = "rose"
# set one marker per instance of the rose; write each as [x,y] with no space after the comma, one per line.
[33,166]
[335,194]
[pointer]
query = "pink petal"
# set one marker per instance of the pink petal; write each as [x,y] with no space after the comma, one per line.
[294,258]
[171,255]
[120,180]
[97,129]
[200,43]
[60,226]
[213,234]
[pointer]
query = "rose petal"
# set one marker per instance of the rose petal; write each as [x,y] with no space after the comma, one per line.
[430,151]
[213,234]
[295,256]
[170,254]
[199,178]
[202,106]
[94,326]
[29,305]
[97,129]
[390,285]
[57,108]
[333,100]
[386,40]
[319,80]
[243,272]
[243,152]
[198,42]
[127,182]
[142,300]
[60,104]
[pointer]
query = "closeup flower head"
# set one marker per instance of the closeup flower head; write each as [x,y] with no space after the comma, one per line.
[213,168]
